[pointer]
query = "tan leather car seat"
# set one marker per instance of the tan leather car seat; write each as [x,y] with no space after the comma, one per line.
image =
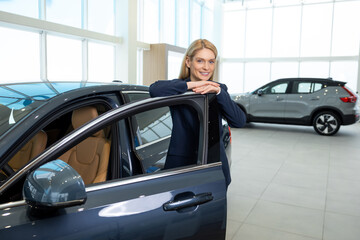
[30,150]
[90,158]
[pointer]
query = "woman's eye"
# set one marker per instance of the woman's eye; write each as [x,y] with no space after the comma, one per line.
[199,61]
[212,62]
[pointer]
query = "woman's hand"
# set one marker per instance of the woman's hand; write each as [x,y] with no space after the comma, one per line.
[204,87]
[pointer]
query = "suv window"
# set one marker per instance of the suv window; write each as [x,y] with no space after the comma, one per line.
[274,89]
[307,87]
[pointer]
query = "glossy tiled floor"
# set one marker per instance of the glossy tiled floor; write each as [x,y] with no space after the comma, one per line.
[290,183]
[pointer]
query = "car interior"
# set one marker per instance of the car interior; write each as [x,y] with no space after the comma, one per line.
[90,158]
[30,150]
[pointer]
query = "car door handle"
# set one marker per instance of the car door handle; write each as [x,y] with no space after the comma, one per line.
[279,99]
[314,99]
[188,202]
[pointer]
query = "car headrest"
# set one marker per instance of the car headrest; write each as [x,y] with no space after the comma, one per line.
[83,115]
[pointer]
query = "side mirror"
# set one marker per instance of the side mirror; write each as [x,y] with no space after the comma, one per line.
[54,185]
[260,92]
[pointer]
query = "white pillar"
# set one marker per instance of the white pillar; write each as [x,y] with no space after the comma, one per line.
[126,51]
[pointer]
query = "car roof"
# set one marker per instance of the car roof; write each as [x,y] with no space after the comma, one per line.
[44,91]
[19,101]
[328,81]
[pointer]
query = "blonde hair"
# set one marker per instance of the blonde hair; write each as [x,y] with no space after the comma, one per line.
[194,47]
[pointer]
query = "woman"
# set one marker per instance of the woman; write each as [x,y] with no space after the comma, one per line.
[196,74]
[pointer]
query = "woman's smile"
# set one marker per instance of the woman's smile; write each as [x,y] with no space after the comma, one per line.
[202,65]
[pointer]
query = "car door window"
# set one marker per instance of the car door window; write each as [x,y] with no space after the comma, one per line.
[160,146]
[275,89]
[317,86]
[307,87]
[152,126]
[304,87]
[89,160]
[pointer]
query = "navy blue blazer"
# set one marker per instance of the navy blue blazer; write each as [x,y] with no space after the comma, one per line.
[183,144]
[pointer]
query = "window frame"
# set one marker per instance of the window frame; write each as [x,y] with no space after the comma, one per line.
[295,87]
[199,102]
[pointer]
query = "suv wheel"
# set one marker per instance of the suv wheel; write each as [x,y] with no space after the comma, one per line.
[326,123]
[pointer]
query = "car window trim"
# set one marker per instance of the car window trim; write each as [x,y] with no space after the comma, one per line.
[12,204]
[147,177]
[134,91]
[152,142]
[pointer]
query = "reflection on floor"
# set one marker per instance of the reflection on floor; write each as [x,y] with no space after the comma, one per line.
[289,183]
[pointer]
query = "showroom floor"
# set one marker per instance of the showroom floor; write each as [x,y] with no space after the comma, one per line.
[290,183]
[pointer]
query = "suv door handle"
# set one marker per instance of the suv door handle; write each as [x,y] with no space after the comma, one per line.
[188,202]
[314,99]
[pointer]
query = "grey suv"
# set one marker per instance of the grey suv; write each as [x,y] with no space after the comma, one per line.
[323,103]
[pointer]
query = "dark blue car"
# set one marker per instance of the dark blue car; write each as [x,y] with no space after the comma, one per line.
[86,161]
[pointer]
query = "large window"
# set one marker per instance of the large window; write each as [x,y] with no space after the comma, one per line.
[174,64]
[62,67]
[16,53]
[151,21]
[101,62]
[176,22]
[232,73]
[314,69]
[346,32]
[234,46]
[65,40]
[284,70]
[258,33]
[182,21]
[254,73]
[168,22]
[59,11]
[316,30]
[28,8]
[196,21]
[286,32]
[346,71]
[290,38]
[101,21]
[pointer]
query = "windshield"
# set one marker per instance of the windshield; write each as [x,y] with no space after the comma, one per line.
[12,110]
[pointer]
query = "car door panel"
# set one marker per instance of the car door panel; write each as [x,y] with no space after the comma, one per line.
[299,105]
[269,102]
[122,207]
[305,96]
[267,105]
[187,202]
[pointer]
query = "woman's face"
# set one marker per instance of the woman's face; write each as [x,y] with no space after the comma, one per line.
[202,65]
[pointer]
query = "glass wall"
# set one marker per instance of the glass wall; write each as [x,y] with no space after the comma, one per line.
[258,41]
[28,8]
[64,53]
[176,22]
[15,52]
[283,38]
[82,39]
